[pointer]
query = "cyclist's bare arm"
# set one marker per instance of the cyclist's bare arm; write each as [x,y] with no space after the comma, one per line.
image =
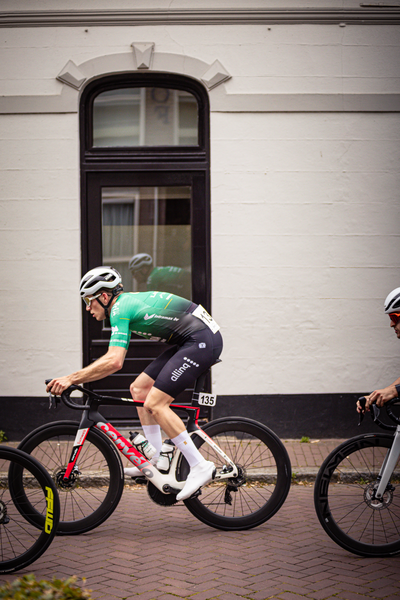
[108,364]
[381,396]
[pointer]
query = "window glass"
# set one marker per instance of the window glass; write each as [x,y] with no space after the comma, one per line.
[145,117]
[154,221]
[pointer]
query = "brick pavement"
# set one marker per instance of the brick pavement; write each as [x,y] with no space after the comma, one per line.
[148,552]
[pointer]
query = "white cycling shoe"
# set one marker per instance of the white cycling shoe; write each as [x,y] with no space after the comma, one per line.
[198,476]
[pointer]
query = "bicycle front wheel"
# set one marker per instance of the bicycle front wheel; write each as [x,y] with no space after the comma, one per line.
[262,484]
[94,489]
[21,543]
[344,497]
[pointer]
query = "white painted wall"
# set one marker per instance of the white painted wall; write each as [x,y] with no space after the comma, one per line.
[40,327]
[306,246]
[305,234]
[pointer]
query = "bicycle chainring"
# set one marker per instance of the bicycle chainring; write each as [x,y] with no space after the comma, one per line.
[160,498]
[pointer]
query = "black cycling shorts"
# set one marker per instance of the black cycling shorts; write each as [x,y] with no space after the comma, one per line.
[179,366]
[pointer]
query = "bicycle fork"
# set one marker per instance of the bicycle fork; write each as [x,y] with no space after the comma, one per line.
[388,465]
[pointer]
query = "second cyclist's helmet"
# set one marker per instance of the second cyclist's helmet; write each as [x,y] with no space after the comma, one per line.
[392,302]
[99,278]
[139,261]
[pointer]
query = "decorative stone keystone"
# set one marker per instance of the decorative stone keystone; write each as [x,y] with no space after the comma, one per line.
[143,54]
[71,75]
[215,75]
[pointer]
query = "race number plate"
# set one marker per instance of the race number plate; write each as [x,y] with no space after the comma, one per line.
[203,315]
[207,399]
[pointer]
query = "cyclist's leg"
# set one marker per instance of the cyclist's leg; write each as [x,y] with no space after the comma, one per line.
[180,367]
[201,470]
[181,371]
[140,389]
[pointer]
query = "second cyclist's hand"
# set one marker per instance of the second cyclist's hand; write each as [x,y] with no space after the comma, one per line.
[380,397]
[59,385]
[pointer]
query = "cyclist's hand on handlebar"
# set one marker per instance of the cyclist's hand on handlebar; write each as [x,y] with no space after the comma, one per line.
[59,385]
[380,397]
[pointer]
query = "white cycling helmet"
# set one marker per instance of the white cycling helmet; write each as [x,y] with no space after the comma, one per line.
[392,302]
[98,279]
[139,261]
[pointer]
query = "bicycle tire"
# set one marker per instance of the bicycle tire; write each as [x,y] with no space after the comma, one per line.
[344,502]
[98,484]
[20,542]
[265,475]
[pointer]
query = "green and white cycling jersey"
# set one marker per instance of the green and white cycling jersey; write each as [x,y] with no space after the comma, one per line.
[158,316]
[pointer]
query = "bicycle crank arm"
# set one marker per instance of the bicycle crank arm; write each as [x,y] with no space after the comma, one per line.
[225,473]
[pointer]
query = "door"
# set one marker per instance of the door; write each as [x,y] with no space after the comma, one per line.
[132,213]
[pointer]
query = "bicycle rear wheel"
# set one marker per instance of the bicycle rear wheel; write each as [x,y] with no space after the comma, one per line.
[21,543]
[344,497]
[96,484]
[264,476]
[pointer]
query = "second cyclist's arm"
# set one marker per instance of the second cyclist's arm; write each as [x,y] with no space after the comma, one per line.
[109,363]
[383,395]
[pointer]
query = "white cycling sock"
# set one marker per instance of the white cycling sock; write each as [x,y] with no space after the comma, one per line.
[184,442]
[153,434]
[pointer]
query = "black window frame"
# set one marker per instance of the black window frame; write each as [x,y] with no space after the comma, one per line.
[169,165]
[192,153]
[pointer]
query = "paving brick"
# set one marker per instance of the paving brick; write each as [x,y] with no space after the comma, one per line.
[166,554]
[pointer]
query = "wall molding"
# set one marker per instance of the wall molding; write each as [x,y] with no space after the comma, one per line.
[213,76]
[365,15]
[68,102]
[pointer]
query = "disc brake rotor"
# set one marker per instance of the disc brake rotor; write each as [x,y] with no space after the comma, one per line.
[378,503]
[4,518]
[66,484]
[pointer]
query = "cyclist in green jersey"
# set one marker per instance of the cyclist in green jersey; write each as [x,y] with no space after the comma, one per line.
[194,344]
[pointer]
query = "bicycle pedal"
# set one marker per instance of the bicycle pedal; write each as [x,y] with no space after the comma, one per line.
[168,489]
[139,480]
[196,494]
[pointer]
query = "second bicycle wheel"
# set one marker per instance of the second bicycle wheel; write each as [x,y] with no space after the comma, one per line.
[94,489]
[344,497]
[21,543]
[262,484]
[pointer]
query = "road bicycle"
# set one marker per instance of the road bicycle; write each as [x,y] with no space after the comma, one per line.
[253,470]
[357,489]
[26,489]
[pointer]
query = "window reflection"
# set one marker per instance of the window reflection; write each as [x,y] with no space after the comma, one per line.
[145,117]
[150,221]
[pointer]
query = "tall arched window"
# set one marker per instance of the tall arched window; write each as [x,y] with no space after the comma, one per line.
[145,190]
